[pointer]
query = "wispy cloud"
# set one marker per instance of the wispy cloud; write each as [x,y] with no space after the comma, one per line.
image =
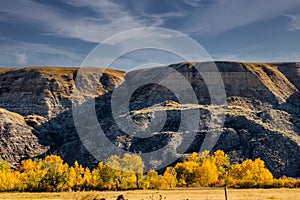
[295,22]
[194,3]
[23,53]
[110,18]
[224,15]
[252,57]
[107,19]
[21,58]
[160,19]
[97,20]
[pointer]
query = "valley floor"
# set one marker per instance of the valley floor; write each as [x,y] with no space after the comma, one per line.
[176,194]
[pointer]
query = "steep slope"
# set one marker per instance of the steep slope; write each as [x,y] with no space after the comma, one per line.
[45,91]
[261,120]
[34,99]
[261,115]
[17,142]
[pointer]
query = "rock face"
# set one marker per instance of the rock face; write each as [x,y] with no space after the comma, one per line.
[17,141]
[261,113]
[46,91]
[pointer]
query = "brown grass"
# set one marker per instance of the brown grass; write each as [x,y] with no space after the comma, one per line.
[176,194]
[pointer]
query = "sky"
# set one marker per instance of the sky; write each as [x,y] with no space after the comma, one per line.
[63,33]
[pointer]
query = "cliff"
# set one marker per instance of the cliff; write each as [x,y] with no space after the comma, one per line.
[261,112]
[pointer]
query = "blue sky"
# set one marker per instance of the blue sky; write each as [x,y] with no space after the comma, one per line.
[62,33]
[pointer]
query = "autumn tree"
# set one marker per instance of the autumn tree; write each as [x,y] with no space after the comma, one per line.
[87,180]
[188,172]
[151,180]
[9,180]
[5,166]
[56,175]
[168,180]
[208,172]
[107,177]
[128,171]
[121,173]
[75,178]
[32,174]
[134,164]
[221,160]
[203,169]
[249,173]
[204,155]
[194,157]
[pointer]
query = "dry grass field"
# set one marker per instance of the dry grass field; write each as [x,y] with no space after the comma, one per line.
[176,194]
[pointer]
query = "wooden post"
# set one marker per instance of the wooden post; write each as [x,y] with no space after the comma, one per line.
[227,168]
[225,190]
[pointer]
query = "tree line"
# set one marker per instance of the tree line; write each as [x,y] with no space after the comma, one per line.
[123,173]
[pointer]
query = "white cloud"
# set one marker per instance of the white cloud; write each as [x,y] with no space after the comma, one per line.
[281,56]
[223,15]
[110,18]
[21,58]
[194,3]
[38,54]
[295,22]
[159,19]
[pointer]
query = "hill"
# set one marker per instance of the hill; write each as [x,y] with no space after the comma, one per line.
[261,111]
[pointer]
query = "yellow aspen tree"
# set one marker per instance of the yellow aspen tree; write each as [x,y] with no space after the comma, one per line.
[208,173]
[128,170]
[87,179]
[187,173]
[32,174]
[95,179]
[250,173]
[221,160]
[9,180]
[261,173]
[151,180]
[169,180]
[57,173]
[135,166]
[75,177]
[72,179]
[194,157]
[107,177]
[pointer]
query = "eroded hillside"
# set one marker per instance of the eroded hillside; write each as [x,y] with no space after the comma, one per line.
[261,113]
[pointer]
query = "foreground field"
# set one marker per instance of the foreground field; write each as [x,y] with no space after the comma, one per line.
[176,194]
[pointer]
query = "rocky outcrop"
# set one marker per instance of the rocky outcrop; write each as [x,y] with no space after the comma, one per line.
[36,114]
[17,141]
[47,91]
[260,111]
